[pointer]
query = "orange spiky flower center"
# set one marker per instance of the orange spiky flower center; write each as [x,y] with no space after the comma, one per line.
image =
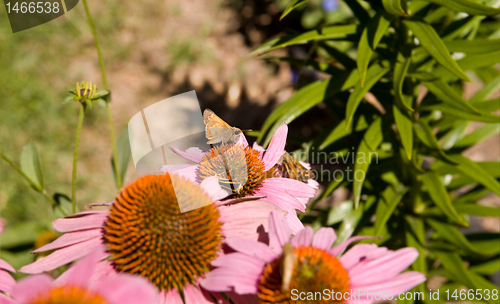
[65,295]
[240,169]
[314,271]
[147,234]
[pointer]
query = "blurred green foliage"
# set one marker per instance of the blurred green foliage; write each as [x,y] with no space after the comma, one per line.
[391,76]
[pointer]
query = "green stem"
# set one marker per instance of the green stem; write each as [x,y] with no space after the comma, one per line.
[75,155]
[105,84]
[42,191]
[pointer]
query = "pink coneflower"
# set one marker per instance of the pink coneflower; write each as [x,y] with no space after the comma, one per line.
[6,280]
[246,172]
[254,271]
[80,289]
[145,233]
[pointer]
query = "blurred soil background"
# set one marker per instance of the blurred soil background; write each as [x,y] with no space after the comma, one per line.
[152,50]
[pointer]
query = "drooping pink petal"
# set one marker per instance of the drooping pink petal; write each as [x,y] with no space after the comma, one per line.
[248,229]
[64,256]
[255,249]
[82,271]
[342,246]
[276,147]
[397,284]
[193,154]
[212,187]
[293,222]
[6,266]
[247,210]
[258,147]
[281,199]
[242,140]
[31,287]
[86,213]
[6,300]
[81,223]
[291,186]
[193,295]
[6,281]
[361,252]
[224,279]
[324,238]
[71,238]
[303,237]
[238,200]
[383,268]
[240,263]
[189,172]
[128,289]
[173,297]
[279,233]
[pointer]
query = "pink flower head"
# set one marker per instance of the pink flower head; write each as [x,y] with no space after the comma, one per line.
[257,174]
[79,288]
[254,271]
[144,233]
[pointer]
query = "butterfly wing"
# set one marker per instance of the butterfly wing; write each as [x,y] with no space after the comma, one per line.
[294,169]
[217,130]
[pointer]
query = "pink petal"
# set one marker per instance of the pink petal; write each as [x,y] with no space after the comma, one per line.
[276,147]
[361,252]
[396,285]
[246,210]
[85,213]
[224,280]
[172,297]
[312,183]
[6,281]
[291,186]
[189,172]
[324,238]
[82,271]
[212,187]
[63,256]
[193,154]
[293,222]
[255,249]
[240,263]
[258,147]
[6,300]
[193,295]
[80,223]
[31,287]
[281,199]
[303,237]
[383,268]
[128,289]
[70,239]
[242,140]
[279,233]
[342,246]
[6,266]
[238,200]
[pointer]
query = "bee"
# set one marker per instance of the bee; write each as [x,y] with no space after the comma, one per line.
[292,168]
[288,260]
[217,130]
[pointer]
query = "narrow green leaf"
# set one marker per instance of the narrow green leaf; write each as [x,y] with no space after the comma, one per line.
[446,94]
[440,197]
[454,236]
[415,232]
[340,131]
[294,4]
[486,268]
[487,91]
[478,135]
[330,32]
[476,172]
[393,7]
[30,165]
[372,34]
[358,11]
[348,225]
[425,135]
[456,267]
[400,70]
[448,140]
[371,140]
[375,72]
[24,233]
[431,41]
[386,206]
[445,108]
[479,210]
[405,129]
[65,205]
[339,213]
[123,155]
[477,46]
[467,6]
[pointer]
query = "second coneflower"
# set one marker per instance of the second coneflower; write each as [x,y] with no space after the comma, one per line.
[144,233]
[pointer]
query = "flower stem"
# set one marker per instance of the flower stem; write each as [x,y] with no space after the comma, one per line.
[75,155]
[105,84]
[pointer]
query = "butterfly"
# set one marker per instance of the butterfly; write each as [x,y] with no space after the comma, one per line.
[288,260]
[289,167]
[217,130]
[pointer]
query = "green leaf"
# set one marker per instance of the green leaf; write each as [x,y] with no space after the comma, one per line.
[102,102]
[330,32]
[348,225]
[374,31]
[415,232]
[468,6]
[474,61]
[435,46]
[486,268]
[487,91]
[123,151]
[386,206]
[358,11]
[342,130]
[100,93]
[476,172]
[400,71]
[339,213]
[371,140]
[479,210]
[454,236]
[440,197]
[448,140]
[30,165]
[65,205]
[393,7]
[425,135]
[445,108]
[68,99]
[456,267]
[405,129]
[375,72]
[294,4]
[24,233]
[478,135]
[477,46]
[446,94]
